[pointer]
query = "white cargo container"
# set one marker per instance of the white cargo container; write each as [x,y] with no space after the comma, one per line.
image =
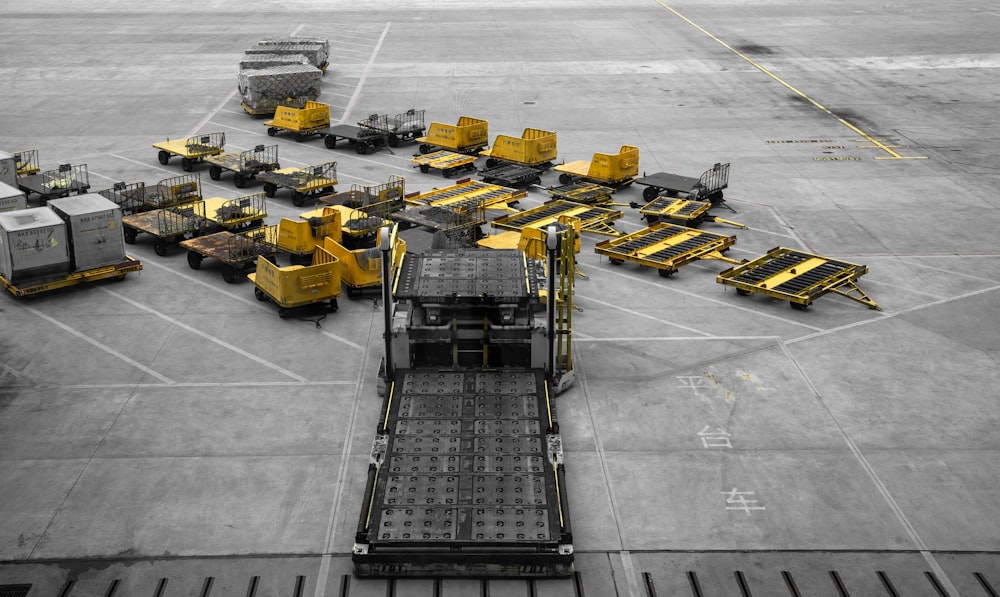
[94,223]
[8,169]
[11,198]
[33,245]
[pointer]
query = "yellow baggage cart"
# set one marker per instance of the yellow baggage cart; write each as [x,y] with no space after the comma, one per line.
[298,286]
[615,170]
[191,150]
[469,135]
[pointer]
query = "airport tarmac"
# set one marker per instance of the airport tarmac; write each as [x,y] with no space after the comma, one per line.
[171,435]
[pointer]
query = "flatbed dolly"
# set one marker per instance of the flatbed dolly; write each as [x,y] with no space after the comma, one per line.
[686,212]
[512,175]
[597,220]
[244,165]
[55,184]
[237,251]
[310,181]
[129,196]
[448,162]
[402,127]
[191,150]
[117,271]
[587,193]
[364,140]
[707,187]
[358,226]
[666,247]
[167,226]
[797,277]
[26,162]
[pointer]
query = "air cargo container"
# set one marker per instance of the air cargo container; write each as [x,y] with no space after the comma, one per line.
[94,223]
[34,244]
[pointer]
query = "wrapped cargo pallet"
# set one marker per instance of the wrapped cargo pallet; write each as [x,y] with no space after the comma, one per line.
[33,245]
[255,61]
[95,230]
[265,89]
[11,198]
[317,50]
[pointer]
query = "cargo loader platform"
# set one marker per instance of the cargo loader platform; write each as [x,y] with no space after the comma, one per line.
[797,277]
[666,247]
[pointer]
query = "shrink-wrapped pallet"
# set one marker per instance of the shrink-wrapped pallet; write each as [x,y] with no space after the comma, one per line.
[266,88]
[256,61]
[317,50]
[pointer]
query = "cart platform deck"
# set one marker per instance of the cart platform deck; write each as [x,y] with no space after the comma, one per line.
[512,175]
[304,182]
[247,211]
[30,288]
[448,162]
[597,220]
[587,193]
[666,247]
[365,140]
[686,212]
[797,277]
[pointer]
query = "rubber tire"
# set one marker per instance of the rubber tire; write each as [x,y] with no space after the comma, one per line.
[650,193]
[425,148]
[565,178]
[187,164]
[130,234]
[194,260]
[259,294]
[798,306]
[742,292]
[239,180]
[448,172]
[330,141]
[425,168]
[230,274]
[363,147]
[333,305]
[298,199]
[283,313]
[666,273]
[393,140]
[160,247]
[270,189]
[215,172]
[271,131]
[163,157]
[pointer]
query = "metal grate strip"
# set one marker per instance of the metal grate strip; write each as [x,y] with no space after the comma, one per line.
[19,590]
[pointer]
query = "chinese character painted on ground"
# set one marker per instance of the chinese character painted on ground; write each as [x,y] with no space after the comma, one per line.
[692,382]
[715,438]
[737,500]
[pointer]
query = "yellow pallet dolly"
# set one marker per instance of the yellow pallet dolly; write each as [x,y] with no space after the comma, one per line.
[305,182]
[448,162]
[597,220]
[490,196]
[797,277]
[243,212]
[587,193]
[686,212]
[191,150]
[117,271]
[666,247]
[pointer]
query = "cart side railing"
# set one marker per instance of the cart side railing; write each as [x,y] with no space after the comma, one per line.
[130,197]
[66,177]
[247,247]
[26,162]
[381,199]
[714,179]
[175,191]
[326,171]
[206,143]
[241,209]
[182,219]
[258,159]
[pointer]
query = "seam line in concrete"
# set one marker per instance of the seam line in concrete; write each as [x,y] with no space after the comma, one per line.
[364,75]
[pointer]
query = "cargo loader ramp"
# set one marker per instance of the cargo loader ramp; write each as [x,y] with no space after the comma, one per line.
[466,476]
[666,247]
[797,277]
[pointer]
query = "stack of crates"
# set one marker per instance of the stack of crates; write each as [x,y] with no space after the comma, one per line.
[258,61]
[315,49]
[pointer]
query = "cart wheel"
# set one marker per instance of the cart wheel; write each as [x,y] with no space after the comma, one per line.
[799,306]
[490,162]
[352,292]
[271,131]
[160,246]
[425,168]
[743,292]
[715,198]
[163,157]
[298,199]
[330,141]
[447,172]
[130,235]
[363,147]
[565,178]
[215,172]
[282,312]
[393,140]
[537,180]
[259,294]
[666,273]
[333,305]
[616,261]
[270,189]
[187,164]
[194,260]
[239,180]
[230,274]
[425,148]
[650,193]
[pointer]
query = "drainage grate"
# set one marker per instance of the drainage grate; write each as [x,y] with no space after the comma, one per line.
[14,590]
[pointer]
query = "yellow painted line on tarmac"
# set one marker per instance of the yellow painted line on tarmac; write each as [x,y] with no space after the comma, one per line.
[875,142]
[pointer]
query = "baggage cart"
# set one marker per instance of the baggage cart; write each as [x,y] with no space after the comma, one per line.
[364,140]
[402,127]
[511,175]
[707,187]
[448,162]
[666,247]
[797,277]
[245,165]
[296,287]
[236,251]
[169,192]
[302,121]
[361,269]
[685,212]
[310,181]
[116,271]
[469,135]
[535,148]
[358,226]
[191,150]
[26,162]
[167,226]
[587,193]
[241,213]
[129,197]
[53,184]
[617,170]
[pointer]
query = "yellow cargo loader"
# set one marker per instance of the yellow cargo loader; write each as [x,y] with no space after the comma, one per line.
[615,170]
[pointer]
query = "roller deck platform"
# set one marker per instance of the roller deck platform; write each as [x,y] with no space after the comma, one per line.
[490,196]
[597,220]
[708,186]
[797,277]
[512,175]
[587,193]
[686,212]
[448,162]
[666,247]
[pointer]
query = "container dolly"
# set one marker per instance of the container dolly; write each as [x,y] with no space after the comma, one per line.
[448,162]
[616,170]
[191,150]
[237,251]
[587,193]
[117,271]
[597,220]
[491,196]
[244,165]
[298,286]
[666,247]
[167,226]
[686,212]
[364,140]
[797,277]
[310,181]
[402,127]
[26,162]
[313,118]
[137,196]
[511,175]
[57,183]
[707,187]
